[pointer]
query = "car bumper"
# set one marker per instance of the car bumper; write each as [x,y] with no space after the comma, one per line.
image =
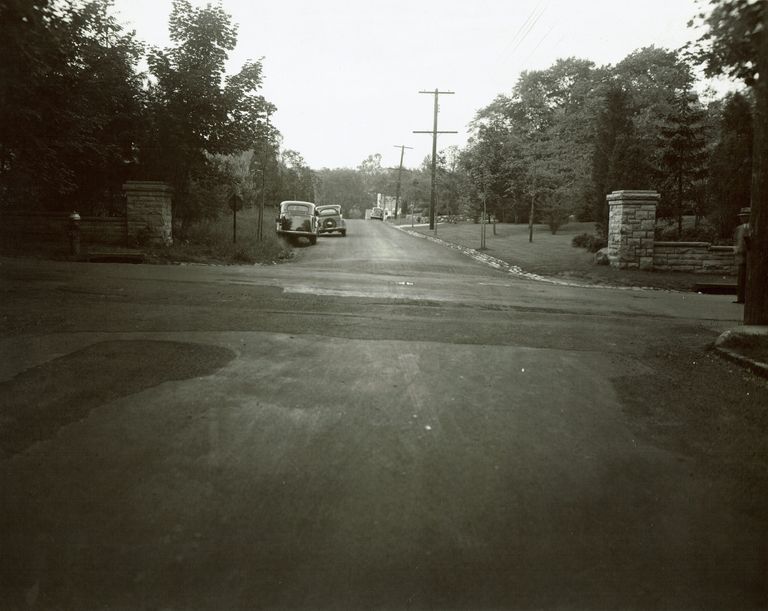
[300,228]
[298,233]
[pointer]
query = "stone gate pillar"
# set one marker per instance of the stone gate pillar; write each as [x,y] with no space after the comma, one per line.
[148,212]
[631,224]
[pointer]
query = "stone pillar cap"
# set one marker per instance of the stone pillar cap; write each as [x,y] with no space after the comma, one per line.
[146,185]
[633,195]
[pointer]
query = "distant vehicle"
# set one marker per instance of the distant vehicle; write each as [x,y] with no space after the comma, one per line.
[331,219]
[298,219]
[377,213]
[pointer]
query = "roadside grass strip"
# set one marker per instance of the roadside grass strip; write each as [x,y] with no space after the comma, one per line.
[517,271]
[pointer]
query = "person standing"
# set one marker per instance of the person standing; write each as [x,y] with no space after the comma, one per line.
[741,250]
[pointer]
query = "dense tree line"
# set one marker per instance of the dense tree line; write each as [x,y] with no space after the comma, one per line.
[570,134]
[78,117]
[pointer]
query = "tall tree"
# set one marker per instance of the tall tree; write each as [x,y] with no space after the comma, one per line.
[549,118]
[450,181]
[194,110]
[650,76]
[736,44]
[683,156]
[619,159]
[69,102]
[295,177]
[342,186]
[375,178]
[489,164]
[730,165]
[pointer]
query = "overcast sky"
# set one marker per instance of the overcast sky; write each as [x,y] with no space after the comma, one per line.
[345,74]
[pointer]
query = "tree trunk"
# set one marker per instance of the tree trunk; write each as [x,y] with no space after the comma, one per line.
[680,204]
[756,307]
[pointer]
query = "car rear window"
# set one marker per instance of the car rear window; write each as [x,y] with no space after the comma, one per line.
[329,211]
[297,209]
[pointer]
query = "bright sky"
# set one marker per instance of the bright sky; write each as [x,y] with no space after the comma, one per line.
[345,74]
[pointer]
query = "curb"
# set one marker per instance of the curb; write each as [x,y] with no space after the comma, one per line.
[757,367]
[517,271]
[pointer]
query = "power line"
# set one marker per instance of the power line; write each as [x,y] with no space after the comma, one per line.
[538,44]
[512,40]
[524,30]
[528,31]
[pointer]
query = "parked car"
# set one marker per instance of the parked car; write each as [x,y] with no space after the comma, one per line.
[298,219]
[331,219]
[377,213]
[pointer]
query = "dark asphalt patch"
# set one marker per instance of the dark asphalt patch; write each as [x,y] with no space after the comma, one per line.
[38,402]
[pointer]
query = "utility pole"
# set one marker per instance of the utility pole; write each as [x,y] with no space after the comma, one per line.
[402,148]
[434,132]
[482,226]
[533,210]
[260,231]
[483,219]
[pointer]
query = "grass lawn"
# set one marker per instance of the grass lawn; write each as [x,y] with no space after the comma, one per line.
[207,241]
[210,241]
[553,255]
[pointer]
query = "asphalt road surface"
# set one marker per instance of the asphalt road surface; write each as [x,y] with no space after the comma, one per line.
[383,423]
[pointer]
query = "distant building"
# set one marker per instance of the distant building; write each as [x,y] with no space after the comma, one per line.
[386,203]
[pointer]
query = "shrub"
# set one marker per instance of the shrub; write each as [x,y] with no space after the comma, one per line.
[211,241]
[580,241]
[704,232]
[591,242]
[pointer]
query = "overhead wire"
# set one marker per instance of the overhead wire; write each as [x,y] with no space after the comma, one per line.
[525,29]
[538,44]
[521,32]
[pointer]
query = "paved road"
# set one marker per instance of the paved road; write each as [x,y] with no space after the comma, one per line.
[382,423]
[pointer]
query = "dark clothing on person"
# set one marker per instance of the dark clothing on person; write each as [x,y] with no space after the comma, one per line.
[742,283]
[741,250]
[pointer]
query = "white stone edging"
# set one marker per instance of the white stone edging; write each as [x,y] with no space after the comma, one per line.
[516,270]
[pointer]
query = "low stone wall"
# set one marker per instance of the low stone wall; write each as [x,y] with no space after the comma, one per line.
[147,220]
[693,257]
[16,227]
[631,243]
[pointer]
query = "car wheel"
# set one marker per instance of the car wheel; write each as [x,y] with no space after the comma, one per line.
[313,239]
[343,233]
